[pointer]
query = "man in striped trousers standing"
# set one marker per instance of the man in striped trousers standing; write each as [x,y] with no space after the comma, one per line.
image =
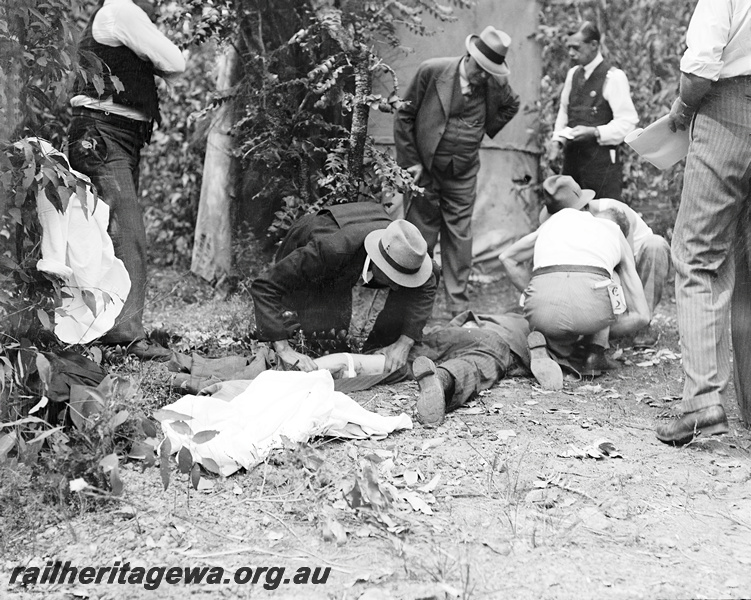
[709,246]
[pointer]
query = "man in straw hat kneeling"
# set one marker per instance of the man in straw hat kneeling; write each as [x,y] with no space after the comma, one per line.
[450,105]
[584,283]
[322,257]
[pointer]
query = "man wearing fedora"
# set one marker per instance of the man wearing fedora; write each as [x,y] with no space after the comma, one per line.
[596,113]
[651,251]
[323,256]
[571,292]
[450,104]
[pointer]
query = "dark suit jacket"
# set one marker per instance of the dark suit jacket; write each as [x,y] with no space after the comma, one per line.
[419,125]
[319,262]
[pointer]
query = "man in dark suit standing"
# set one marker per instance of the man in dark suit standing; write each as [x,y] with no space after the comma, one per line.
[326,254]
[450,105]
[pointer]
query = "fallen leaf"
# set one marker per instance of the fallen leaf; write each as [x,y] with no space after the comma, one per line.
[531,402]
[205,485]
[502,548]
[165,414]
[431,443]
[417,503]
[334,531]
[410,477]
[431,485]
[608,449]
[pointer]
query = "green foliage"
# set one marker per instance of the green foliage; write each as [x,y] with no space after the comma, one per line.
[645,39]
[37,62]
[69,457]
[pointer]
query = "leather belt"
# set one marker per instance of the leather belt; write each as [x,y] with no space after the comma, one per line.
[143,128]
[571,269]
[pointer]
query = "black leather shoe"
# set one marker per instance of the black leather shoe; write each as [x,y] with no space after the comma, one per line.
[431,405]
[705,421]
[547,372]
[645,338]
[148,350]
[596,362]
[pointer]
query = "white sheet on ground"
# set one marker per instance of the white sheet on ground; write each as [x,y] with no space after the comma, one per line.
[292,404]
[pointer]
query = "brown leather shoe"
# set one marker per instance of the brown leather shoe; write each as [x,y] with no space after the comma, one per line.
[431,405]
[547,372]
[705,421]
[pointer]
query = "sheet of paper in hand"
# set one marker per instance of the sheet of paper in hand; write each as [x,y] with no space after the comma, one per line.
[660,146]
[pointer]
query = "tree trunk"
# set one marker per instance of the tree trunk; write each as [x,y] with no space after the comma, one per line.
[359,131]
[212,246]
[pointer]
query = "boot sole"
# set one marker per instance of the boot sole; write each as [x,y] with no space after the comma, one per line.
[431,405]
[547,372]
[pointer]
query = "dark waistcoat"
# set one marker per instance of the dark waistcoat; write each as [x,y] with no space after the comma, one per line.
[135,74]
[460,144]
[586,106]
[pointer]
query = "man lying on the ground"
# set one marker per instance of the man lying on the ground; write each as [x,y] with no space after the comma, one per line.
[651,251]
[322,257]
[452,363]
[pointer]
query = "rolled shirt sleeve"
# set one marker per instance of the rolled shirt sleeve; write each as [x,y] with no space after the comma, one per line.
[625,118]
[708,35]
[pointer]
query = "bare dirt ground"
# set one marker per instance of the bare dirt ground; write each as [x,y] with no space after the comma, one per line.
[515,496]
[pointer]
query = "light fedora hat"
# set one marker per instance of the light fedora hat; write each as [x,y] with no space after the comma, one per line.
[401,253]
[489,50]
[563,192]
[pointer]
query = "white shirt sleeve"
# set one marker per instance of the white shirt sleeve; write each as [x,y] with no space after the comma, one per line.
[125,24]
[617,93]
[706,38]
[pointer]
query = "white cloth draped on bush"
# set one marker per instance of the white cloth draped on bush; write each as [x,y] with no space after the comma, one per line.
[77,248]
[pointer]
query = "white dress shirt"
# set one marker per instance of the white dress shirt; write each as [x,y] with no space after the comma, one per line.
[719,40]
[123,23]
[616,92]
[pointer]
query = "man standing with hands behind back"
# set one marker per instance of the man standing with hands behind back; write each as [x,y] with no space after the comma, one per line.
[595,115]
[107,132]
[711,240]
[451,104]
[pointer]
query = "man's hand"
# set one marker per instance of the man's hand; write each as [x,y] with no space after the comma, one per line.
[582,133]
[416,172]
[553,150]
[289,357]
[396,354]
[680,115]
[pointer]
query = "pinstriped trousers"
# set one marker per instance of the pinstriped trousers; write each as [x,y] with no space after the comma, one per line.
[714,205]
